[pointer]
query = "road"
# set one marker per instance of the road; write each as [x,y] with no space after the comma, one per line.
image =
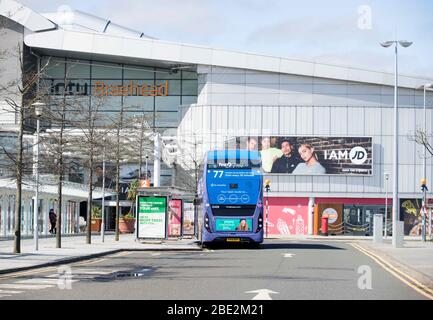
[280,270]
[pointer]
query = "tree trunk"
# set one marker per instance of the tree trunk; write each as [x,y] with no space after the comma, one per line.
[117,200]
[19,177]
[60,173]
[89,204]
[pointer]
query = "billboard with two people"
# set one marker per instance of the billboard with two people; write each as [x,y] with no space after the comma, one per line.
[307,155]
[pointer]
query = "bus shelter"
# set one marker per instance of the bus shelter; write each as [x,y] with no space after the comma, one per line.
[165,213]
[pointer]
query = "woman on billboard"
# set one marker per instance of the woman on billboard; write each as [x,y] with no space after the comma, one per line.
[311,165]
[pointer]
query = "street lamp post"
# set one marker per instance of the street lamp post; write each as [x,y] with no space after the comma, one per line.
[395,200]
[386,204]
[38,112]
[147,167]
[267,189]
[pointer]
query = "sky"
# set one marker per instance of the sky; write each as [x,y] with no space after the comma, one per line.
[342,32]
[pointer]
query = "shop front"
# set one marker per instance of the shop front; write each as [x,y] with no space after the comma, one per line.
[290,216]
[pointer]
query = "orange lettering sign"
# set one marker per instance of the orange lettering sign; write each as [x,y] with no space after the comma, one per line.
[133,89]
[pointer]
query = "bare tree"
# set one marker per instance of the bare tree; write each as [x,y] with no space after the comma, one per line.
[18,96]
[423,138]
[88,144]
[189,160]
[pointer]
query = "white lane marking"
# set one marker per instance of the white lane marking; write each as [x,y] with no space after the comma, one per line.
[24,286]
[41,281]
[262,294]
[156,254]
[84,272]
[10,292]
[5,295]
[289,255]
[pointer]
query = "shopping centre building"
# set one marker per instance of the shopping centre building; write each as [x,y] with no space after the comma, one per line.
[218,98]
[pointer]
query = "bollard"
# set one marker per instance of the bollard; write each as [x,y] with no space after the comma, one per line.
[378,228]
[399,243]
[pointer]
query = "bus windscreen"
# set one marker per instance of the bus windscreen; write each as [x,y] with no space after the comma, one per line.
[233,187]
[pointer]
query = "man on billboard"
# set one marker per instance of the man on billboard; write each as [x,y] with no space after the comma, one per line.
[269,153]
[311,165]
[288,161]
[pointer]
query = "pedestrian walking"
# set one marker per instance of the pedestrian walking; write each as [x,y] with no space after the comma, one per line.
[53,221]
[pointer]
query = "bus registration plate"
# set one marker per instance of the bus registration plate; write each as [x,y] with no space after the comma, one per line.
[233,240]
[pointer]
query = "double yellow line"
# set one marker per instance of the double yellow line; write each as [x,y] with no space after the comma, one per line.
[54,269]
[403,277]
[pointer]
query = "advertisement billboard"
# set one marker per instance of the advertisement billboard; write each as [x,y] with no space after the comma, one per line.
[231,225]
[175,218]
[188,219]
[307,155]
[151,222]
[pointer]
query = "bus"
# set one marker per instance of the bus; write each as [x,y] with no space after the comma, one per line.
[231,198]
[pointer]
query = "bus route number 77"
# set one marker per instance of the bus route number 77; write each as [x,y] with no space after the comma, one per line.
[218,174]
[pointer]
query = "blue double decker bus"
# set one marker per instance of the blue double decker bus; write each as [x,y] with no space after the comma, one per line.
[232,198]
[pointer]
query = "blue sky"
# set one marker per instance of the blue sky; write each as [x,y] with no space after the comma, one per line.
[331,31]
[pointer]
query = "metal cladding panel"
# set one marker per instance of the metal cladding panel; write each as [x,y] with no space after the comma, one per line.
[339,120]
[304,184]
[374,183]
[406,121]
[304,121]
[387,121]
[219,118]
[419,118]
[354,88]
[287,121]
[373,120]
[355,184]
[283,183]
[236,118]
[206,118]
[322,121]
[262,99]
[338,184]
[406,151]
[407,179]
[321,184]
[356,121]
[387,149]
[378,151]
[253,120]
[271,119]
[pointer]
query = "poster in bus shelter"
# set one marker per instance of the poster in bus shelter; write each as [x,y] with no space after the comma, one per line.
[151,222]
[188,228]
[310,155]
[175,218]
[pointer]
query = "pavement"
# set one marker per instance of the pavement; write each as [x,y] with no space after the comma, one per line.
[279,270]
[415,259]
[74,248]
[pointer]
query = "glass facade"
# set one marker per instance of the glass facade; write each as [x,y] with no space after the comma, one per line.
[110,87]
[70,215]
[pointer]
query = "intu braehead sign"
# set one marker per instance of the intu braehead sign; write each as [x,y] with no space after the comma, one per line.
[133,89]
[105,89]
